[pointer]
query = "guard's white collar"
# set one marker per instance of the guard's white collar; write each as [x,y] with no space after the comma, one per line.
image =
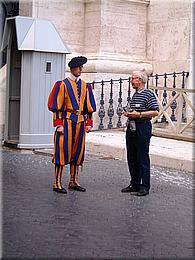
[73,78]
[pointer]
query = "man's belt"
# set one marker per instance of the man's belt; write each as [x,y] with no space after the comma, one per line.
[141,120]
[76,112]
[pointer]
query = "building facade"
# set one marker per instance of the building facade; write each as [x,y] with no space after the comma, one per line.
[118,36]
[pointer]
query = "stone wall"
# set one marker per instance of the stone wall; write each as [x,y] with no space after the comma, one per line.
[119,36]
[122,37]
[67,16]
[111,33]
[169,35]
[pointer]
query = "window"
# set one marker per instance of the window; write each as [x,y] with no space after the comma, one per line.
[48,67]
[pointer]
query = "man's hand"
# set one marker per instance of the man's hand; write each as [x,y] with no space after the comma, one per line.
[133,114]
[60,129]
[88,129]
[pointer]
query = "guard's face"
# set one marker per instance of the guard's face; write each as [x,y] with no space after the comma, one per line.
[76,71]
[136,81]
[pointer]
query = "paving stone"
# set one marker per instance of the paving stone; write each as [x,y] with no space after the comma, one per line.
[101,223]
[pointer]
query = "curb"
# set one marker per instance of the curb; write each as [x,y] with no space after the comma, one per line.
[156,160]
[108,151]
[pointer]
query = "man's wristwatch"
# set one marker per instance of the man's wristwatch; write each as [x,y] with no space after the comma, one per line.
[140,114]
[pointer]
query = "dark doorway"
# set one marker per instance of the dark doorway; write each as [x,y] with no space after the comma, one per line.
[14,91]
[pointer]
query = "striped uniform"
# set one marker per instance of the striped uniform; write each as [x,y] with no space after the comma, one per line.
[66,97]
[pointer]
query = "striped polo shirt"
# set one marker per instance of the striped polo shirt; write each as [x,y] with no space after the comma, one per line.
[144,100]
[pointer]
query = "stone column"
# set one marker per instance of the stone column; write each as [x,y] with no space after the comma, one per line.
[115,37]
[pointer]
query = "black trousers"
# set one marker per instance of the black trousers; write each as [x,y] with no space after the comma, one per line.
[137,144]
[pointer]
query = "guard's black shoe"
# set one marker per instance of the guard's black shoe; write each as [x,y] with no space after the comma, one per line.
[142,192]
[76,187]
[60,190]
[130,188]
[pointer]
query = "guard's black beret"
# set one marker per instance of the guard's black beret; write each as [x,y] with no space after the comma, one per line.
[77,61]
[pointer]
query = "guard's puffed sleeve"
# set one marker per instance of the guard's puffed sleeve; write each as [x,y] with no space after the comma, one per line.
[56,102]
[90,105]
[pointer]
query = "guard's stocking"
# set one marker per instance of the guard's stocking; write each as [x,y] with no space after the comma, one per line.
[73,175]
[58,177]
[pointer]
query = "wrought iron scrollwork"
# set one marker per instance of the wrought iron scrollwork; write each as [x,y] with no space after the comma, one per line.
[111,108]
[156,84]
[147,82]
[164,100]
[128,106]
[119,109]
[184,119]
[101,112]
[174,103]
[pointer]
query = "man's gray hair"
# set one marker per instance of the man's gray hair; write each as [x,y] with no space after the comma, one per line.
[141,74]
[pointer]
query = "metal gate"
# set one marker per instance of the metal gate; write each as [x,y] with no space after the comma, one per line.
[176,116]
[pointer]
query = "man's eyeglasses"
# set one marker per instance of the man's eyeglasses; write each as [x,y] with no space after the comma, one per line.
[135,78]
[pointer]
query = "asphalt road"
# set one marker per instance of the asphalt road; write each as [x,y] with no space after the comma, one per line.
[100,223]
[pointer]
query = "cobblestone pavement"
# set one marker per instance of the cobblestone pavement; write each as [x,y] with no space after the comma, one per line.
[101,223]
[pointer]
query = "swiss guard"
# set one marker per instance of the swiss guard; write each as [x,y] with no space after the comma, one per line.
[72,103]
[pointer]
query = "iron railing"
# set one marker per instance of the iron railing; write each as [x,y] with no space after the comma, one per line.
[171,91]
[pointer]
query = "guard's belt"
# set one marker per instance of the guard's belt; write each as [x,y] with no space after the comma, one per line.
[76,112]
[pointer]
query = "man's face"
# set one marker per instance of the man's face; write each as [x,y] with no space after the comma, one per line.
[136,82]
[76,71]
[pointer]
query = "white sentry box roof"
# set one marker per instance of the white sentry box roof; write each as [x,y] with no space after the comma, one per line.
[34,35]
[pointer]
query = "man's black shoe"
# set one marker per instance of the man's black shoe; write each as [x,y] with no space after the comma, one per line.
[60,190]
[130,188]
[76,187]
[142,192]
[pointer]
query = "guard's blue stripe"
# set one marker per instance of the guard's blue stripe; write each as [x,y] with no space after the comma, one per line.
[66,141]
[79,142]
[54,103]
[71,94]
[79,87]
[57,155]
[91,97]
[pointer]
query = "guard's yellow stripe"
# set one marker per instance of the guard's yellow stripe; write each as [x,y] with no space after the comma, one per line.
[61,144]
[60,97]
[82,150]
[83,94]
[76,139]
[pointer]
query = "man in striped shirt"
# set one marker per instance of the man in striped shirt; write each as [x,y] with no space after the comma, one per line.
[139,128]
